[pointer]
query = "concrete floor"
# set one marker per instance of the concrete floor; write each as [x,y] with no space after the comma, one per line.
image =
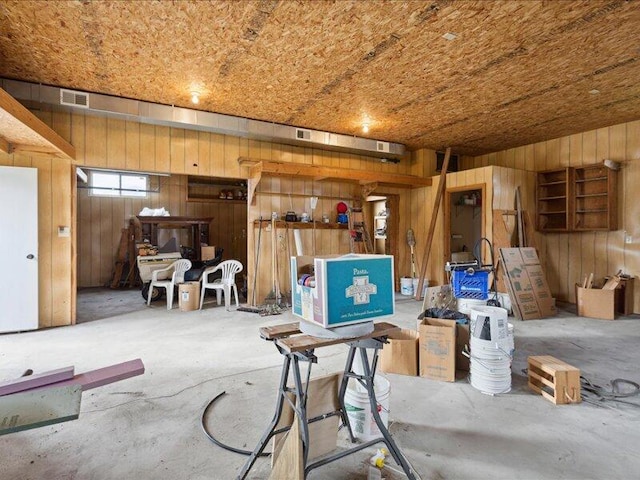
[148,427]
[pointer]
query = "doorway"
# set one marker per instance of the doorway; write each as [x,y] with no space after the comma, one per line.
[382,211]
[464,222]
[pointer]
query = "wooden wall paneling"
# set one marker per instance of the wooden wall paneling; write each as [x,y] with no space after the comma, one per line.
[529,158]
[540,156]
[191,152]
[575,150]
[132,145]
[148,148]
[631,251]
[177,150]
[96,146]
[84,238]
[45,238]
[73,286]
[204,153]
[231,154]
[589,147]
[116,156]
[163,149]
[78,139]
[19,160]
[61,123]
[105,238]
[217,155]
[564,152]
[61,267]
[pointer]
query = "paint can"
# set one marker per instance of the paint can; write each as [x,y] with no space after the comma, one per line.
[406,286]
[358,407]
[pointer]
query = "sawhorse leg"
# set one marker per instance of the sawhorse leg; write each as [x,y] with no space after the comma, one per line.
[299,405]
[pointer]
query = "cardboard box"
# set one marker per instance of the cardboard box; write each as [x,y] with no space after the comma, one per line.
[207,253]
[189,296]
[595,303]
[348,289]
[400,355]
[438,349]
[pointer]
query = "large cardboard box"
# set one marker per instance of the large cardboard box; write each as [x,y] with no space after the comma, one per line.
[438,349]
[400,355]
[189,296]
[348,289]
[207,253]
[595,303]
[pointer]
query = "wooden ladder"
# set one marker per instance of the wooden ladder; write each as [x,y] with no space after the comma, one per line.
[359,237]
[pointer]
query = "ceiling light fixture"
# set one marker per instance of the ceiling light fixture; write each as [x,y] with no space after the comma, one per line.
[449,36]
[195,97]
[595,91]
[365,127]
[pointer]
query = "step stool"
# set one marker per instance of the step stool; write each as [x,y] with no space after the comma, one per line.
[554,379]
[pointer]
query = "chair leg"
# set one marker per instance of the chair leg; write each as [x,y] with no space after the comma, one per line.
[149,293]
[169,297]
[218,296]
[227,296]
[202,292]
[235,290]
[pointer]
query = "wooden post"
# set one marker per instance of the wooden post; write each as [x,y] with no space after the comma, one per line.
[432,225]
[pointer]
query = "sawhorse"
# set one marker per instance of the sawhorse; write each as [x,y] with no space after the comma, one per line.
[300,348]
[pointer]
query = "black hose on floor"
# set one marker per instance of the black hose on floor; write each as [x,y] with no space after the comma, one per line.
[215,440]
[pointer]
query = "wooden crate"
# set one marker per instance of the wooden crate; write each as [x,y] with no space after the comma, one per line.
[554,379]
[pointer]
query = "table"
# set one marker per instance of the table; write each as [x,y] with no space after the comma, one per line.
[300,348]
[199,228]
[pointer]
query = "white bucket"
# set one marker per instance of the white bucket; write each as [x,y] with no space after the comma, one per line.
[425,285]
[464,305]
[406,286]
[358,408]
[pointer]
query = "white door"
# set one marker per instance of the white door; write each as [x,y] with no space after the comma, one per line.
[18,249]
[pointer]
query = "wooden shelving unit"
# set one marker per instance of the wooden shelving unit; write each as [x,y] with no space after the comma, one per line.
[553,200]
[205,189]
[594,198]
[576,199]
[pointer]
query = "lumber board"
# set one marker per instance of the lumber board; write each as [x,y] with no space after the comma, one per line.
[432,225]
[106,375]
[38,408]
[32,381]
[290,462]
[301,343]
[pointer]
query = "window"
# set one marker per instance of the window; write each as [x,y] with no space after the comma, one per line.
[113,184]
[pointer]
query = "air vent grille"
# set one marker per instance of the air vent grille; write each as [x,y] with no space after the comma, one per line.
[302,134]
[74,99]
[382,147]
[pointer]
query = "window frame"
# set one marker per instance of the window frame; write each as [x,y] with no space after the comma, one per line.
[119,192]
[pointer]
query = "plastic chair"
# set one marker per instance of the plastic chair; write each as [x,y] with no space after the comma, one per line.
[229,269]
[178,267]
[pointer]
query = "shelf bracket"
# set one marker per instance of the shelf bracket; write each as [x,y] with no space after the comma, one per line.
[255,175]
[369,188]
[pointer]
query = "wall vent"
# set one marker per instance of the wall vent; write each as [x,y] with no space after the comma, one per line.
[302,134]
[382,147]
[74,99]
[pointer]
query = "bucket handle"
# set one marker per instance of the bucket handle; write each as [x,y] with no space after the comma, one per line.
[467,354]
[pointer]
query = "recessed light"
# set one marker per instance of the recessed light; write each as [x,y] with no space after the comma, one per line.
[195,97]
[365,127]
[449,36]
[595,91]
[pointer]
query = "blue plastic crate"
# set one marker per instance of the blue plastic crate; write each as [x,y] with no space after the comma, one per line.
[471,285]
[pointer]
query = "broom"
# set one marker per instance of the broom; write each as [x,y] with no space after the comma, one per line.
[411,241]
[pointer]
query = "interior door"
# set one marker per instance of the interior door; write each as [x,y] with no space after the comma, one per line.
[19,247]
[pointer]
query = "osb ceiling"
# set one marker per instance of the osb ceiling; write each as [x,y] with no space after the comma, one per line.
[517,71]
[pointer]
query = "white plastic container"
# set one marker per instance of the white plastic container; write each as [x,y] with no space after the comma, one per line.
[356,402]
[406,286]
[425,285]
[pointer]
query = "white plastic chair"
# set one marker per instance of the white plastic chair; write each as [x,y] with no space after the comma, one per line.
[229,269]
[178,267]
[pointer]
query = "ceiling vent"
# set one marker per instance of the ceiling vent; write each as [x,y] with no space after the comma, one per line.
[74,99]
[302,134]
[382,147]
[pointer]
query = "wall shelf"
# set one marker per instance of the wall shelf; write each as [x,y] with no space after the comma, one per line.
[301,225]
[207,189]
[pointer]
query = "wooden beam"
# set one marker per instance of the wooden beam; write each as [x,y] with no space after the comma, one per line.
[5,146]
[369,188]
[255,175]
[106,375]
[16,119]
[432,225]
[33,381]
[335,173]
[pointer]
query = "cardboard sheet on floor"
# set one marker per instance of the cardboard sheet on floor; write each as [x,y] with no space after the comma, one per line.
[289,464]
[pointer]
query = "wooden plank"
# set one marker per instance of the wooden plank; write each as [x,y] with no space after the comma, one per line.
[33,381]
[38,408]
[24,131]
[301,343]
[106,375]
[316,171]
[432,226]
